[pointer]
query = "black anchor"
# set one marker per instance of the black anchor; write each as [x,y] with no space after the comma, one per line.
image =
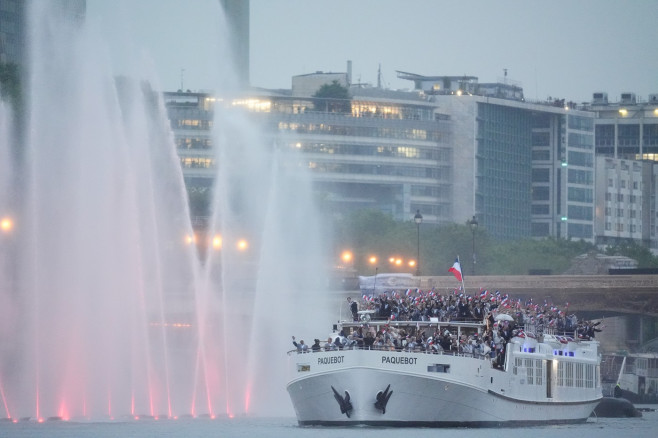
[343,402]
[382,399]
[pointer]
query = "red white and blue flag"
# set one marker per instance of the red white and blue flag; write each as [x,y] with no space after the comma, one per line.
[456,270]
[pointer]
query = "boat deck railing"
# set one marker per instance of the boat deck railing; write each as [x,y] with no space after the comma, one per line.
[431,351]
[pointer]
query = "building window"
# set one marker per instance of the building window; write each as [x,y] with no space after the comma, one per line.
[608,196]
[539,229]
[611,183]
[580,231]
[540,194]
[580,194]
[581,176]
[541,138]
[579,212]
[541,155]
[584,159]
[540,175]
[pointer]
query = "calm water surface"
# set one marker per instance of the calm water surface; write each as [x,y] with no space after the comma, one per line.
[647,426]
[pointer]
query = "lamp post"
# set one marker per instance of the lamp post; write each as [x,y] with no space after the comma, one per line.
[418,218]
[473,223]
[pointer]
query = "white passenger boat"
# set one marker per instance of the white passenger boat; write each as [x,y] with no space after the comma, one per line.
[545,379]
[635,373]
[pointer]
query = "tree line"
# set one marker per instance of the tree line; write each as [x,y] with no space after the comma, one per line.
[368,233]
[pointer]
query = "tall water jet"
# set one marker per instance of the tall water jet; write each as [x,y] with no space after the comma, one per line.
[7,219]
[270,270]
[112,313]
[99,271]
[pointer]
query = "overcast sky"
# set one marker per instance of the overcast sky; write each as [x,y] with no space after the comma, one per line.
[559,48]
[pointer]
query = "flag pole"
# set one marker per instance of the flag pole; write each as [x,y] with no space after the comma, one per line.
[463,287]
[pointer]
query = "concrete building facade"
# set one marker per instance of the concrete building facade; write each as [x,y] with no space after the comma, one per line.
[524,170]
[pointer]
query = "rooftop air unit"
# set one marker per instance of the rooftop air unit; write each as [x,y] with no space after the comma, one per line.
[600,98]
[628,98]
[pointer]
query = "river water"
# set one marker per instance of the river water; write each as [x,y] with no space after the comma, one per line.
[287,427]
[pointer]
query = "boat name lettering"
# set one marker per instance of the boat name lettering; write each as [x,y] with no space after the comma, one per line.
[399,360]
[330,359]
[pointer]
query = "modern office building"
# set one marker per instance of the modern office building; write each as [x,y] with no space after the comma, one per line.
[626,146]
[625,201]
[191,117]
[382,149]
[523,169]
[626,129]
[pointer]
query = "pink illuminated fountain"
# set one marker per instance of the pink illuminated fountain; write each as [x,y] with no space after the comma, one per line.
[106,311]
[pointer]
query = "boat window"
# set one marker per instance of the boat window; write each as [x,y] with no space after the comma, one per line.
[303,368]
[438,368]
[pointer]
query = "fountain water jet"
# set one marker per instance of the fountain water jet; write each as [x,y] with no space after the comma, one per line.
[114,316]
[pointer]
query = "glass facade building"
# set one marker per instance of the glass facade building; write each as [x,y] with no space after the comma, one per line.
[372,151]
[523,169]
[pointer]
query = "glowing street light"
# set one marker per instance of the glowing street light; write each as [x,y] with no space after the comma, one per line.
[347,258]
[217,242]
[242,245]
[6,224]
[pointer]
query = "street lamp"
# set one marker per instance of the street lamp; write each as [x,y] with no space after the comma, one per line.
[473,223]
[418,218]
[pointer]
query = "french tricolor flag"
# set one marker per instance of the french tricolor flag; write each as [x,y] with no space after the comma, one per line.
[456,270]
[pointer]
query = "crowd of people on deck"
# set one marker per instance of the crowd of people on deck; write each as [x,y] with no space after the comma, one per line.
[525,319]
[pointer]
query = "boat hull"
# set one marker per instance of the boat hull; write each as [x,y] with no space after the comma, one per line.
[471,394]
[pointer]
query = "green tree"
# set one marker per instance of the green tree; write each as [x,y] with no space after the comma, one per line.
[519,257]
[371,232]
[334,98]
[644,257]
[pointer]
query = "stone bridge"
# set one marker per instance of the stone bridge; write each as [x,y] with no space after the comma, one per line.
[610,294]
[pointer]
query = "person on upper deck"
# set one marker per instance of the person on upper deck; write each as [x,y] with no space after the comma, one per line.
[354,308]
[301,346]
